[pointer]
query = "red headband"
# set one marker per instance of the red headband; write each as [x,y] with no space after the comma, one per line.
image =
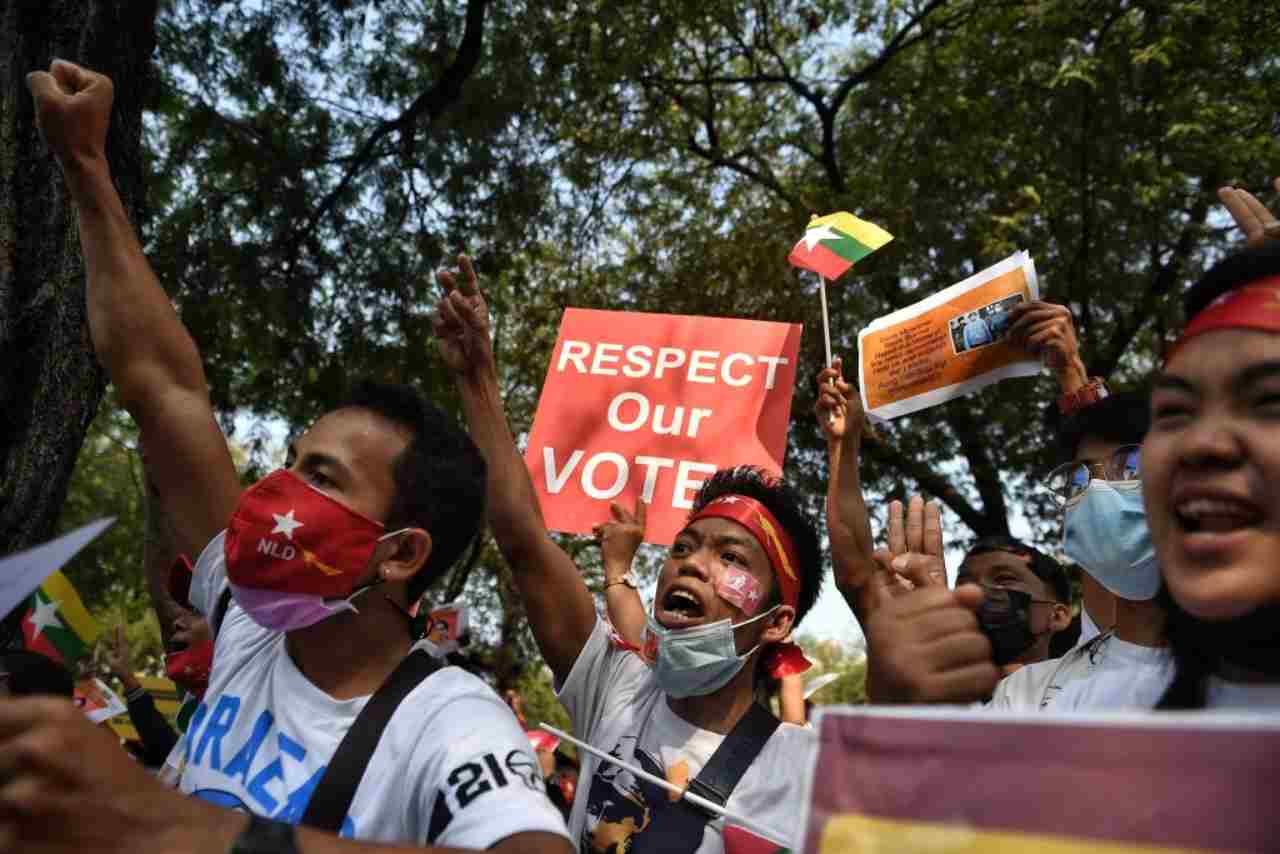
[771,536]
[1254,306]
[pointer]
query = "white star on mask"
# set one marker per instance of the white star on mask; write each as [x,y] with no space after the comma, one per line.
[285,524]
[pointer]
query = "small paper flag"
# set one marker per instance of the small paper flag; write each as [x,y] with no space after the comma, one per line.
[835,242]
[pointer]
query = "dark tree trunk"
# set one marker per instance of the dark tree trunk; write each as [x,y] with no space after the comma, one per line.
[50,382]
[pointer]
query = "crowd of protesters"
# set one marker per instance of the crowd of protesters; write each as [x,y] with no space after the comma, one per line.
[319,721]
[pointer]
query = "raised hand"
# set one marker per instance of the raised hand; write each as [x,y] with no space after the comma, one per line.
[73,111]
[1258,224]
[924,645]
[838,407]
[119,659]
[620,537]
[915,554]
[1046,330]
[461,322]
[117,653]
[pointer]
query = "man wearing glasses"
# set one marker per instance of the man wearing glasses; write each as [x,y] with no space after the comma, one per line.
[1125,664]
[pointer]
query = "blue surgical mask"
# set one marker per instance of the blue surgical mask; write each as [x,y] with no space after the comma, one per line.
[699,660]
[1105,531]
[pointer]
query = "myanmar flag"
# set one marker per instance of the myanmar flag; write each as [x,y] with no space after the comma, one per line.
[835,242]
[57,624]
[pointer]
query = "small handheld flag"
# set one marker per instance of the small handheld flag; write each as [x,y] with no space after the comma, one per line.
[830,246]
[835,242]
[56,623]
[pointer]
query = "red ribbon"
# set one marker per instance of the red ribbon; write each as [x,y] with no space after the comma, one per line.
[786,659]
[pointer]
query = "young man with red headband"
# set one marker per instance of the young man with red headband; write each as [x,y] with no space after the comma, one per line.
[739,576]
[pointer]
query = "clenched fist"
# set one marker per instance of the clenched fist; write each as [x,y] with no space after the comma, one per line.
[73,111]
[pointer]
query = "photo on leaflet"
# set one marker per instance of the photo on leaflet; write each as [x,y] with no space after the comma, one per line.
[982,326]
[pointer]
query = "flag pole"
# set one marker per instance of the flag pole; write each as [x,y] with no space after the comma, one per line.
[826,323]
[826,332]
[665,784]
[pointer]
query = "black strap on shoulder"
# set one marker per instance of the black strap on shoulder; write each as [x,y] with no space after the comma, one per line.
[678,828]
[734,756]
[332,798]
[220,610]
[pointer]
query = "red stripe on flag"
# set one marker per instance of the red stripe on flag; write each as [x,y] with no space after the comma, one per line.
[38,642]
[819,260]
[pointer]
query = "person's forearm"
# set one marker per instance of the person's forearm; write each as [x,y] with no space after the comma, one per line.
[561,610]
[848,523]
[626,612]
[513,509]
[1073,376]
[158,738]
[791,700]
[136,332]
[159,551]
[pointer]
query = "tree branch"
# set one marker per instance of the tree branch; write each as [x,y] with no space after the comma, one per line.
[1163,279]
[927,479]
[429,106]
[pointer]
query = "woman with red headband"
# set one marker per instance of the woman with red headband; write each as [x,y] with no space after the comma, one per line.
[1211,472]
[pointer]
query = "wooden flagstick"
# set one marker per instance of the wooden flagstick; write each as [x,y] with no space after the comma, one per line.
[670,787]
[826,332]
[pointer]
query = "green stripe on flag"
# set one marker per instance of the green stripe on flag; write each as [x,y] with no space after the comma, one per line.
[847,247]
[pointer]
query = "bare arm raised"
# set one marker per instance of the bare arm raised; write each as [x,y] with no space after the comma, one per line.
[839,413]
[620,537]
[136,334]
[558,603]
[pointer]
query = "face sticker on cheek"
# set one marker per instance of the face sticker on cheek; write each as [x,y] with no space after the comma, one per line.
[740,589]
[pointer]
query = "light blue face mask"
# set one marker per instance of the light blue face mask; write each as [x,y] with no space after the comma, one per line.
[699,660]
[1105,531]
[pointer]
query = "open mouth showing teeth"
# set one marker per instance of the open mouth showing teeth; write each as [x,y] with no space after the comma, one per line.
[1215,515]
[682,603]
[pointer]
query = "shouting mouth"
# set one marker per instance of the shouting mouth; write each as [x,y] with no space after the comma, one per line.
[680,607]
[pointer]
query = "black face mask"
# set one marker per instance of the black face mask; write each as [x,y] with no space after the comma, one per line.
[1005,618]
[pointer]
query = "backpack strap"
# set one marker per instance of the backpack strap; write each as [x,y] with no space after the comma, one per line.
[718,778]
[332,797]
[220,610]
[677,828]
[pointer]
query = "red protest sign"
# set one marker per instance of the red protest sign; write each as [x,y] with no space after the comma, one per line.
[651,404]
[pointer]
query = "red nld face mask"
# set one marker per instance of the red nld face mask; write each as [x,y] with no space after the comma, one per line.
[190,668]
[290,537]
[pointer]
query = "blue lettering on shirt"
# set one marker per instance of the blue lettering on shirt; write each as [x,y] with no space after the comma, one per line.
[203,749]
[220,723]
[240,763]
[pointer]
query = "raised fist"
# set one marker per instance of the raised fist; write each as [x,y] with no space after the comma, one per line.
[73,111]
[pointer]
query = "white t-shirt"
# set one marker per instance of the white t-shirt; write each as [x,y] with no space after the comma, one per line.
[1116,689]
[616,706]
[452,768]
[1107,673]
